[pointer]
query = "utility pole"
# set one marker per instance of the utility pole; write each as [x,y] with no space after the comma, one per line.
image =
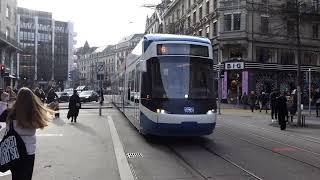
[298,20]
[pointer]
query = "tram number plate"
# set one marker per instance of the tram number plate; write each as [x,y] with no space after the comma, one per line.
[189,110]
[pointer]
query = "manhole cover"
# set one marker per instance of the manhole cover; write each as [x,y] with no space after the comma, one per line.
[134,155]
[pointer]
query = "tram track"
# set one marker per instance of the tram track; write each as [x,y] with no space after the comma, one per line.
[306,138]
[279,142]
[214,153]
[268,149]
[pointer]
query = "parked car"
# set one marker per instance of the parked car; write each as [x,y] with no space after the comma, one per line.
[63,96]
[89,96]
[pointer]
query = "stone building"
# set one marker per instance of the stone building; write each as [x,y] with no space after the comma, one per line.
[257,35]
[98,68]
[8,42]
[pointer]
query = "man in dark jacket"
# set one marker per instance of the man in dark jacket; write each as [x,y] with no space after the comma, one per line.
[252,100]
[101,96]
[74,106]
[273,105]
[282,110]
[317,100]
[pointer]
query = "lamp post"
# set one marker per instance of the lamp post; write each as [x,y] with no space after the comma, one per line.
[219,88]
[309,82]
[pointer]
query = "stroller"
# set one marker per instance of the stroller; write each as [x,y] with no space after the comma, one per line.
[55,106]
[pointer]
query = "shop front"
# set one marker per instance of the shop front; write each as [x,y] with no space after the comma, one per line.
[241,77]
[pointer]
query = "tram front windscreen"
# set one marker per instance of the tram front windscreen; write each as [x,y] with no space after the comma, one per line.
[177,77]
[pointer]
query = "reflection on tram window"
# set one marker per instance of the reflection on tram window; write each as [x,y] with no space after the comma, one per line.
[182,78]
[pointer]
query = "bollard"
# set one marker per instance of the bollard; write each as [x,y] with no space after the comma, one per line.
[100,109]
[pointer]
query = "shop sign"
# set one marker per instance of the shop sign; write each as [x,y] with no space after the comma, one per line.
[234,66]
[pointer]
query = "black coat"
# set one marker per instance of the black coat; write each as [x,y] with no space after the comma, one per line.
[74,106]
[282,106]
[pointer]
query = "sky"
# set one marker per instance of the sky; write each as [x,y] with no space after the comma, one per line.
[100,22]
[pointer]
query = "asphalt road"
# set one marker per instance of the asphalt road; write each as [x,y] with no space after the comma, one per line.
[244,146]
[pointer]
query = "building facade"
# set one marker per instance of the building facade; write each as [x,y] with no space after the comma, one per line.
[46,44]
[98,68]
[258,35]
[8,42]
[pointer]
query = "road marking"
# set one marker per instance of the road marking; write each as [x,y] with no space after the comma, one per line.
[123,165]
[49,135]
[283,149]
[5,173]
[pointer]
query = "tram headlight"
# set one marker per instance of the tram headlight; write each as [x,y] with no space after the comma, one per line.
[161,111]
[212,111]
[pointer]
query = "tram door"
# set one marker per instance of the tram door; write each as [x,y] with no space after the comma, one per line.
[137,96]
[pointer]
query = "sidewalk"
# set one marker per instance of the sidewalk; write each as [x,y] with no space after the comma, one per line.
[75,151]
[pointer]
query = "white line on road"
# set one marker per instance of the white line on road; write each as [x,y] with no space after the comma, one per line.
[123,165]
[49,135]
[5,173]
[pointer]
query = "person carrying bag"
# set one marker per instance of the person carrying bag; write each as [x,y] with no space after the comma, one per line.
[18,147]
[12,150]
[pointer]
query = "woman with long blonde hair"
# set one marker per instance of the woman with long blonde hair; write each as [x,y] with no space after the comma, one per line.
[27,115]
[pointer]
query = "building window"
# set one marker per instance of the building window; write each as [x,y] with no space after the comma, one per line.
[182,10]
[287,56]
[189,3]
[194,17]
[215,4]
[310,58]
[290,28]
[235,52]
[227,22]
[200,12]
[178,14]
[264,55]
[207,7]
[215,30]
[8,12]
[207,31]
[315,31]
[236,21]
[7,33]
[264,24]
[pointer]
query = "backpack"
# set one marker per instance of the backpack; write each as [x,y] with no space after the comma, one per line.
[12,149]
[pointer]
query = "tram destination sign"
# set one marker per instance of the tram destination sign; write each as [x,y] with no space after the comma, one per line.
[234,65]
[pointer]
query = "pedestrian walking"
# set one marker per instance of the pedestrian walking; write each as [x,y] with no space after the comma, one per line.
[101,96]
[263,102]
[244,100]
[317,100]
[273,105]
[37,93]
[252,100]
[74,106]
[26,115]
[3,103]
[282,110]
[12,96]
[51,96]
[294,102]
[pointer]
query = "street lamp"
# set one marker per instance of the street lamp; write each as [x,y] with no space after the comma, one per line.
[219,88]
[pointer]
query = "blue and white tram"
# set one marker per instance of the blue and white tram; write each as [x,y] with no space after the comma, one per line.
[166,86]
